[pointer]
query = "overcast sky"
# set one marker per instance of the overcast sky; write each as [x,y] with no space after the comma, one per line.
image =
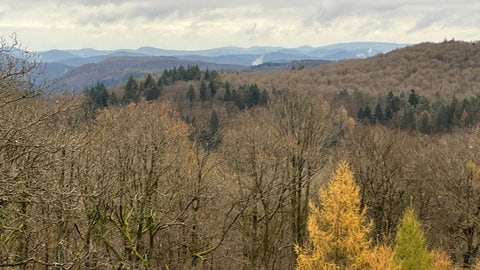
[182,24]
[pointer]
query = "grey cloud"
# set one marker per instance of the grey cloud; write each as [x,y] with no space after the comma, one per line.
[123,13]
[448,14]
[380,14]
[246,19]
[329,10]
[426,21]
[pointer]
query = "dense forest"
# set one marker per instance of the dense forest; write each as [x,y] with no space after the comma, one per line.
[196,169]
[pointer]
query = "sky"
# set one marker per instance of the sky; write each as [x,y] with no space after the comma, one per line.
[191,25]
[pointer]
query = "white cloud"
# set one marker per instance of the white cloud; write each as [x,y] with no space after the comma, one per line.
[44,24]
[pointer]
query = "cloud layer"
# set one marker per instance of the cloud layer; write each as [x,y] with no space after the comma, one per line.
[181,24]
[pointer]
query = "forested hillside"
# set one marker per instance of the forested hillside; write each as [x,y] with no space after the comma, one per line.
[449,68]
[429,87]
[191,168]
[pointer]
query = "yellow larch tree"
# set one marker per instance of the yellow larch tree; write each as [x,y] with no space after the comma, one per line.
[338,228]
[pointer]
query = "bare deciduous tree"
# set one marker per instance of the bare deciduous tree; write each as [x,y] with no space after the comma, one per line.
[309,129]
[273,154]
[378,161]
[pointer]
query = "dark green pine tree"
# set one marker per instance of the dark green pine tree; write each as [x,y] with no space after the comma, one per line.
[425,126]
[206,74]
[367,115]
[446,116]
[228,93]
[212,138]
[203,91]
[450,114]
[194,73]
[214,75]
[413,98]
[442,122]
[99,95]
[190,96]
[151,90]
[360,114]
[393,102]
[131,91]
[214,122]
[457,111]
[213,88]
[182,73]
[388,113]
[176,74]
[378,114]
[253,96]
[166,78]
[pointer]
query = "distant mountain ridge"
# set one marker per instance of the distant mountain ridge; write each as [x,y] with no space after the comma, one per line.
[77,69]
[228,55]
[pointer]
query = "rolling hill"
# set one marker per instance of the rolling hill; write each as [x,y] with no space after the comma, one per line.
[227,55]
[75,69]
[115,70]
[449,68]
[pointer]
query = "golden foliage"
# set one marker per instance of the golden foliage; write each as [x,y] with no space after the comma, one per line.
[338,231]
[476,266]
[381,258]
[441,260]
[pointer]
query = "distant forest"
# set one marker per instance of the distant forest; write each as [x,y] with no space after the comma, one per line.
[197,169]
[411,111]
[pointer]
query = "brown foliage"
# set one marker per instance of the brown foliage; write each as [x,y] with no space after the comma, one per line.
[449,68]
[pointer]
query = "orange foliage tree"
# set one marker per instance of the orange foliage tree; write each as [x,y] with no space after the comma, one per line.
[338,228]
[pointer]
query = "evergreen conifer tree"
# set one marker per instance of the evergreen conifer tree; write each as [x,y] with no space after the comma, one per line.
[99,95]
[190,94]
[388,113]
[131,91]
[367,114]
[360,114]
[253,96]
[213,88]
[228,92]
[203,91]
[393,102]
[378,114]
[410,247]
[425,126]
[413,98]
[214,122]
[150,88]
